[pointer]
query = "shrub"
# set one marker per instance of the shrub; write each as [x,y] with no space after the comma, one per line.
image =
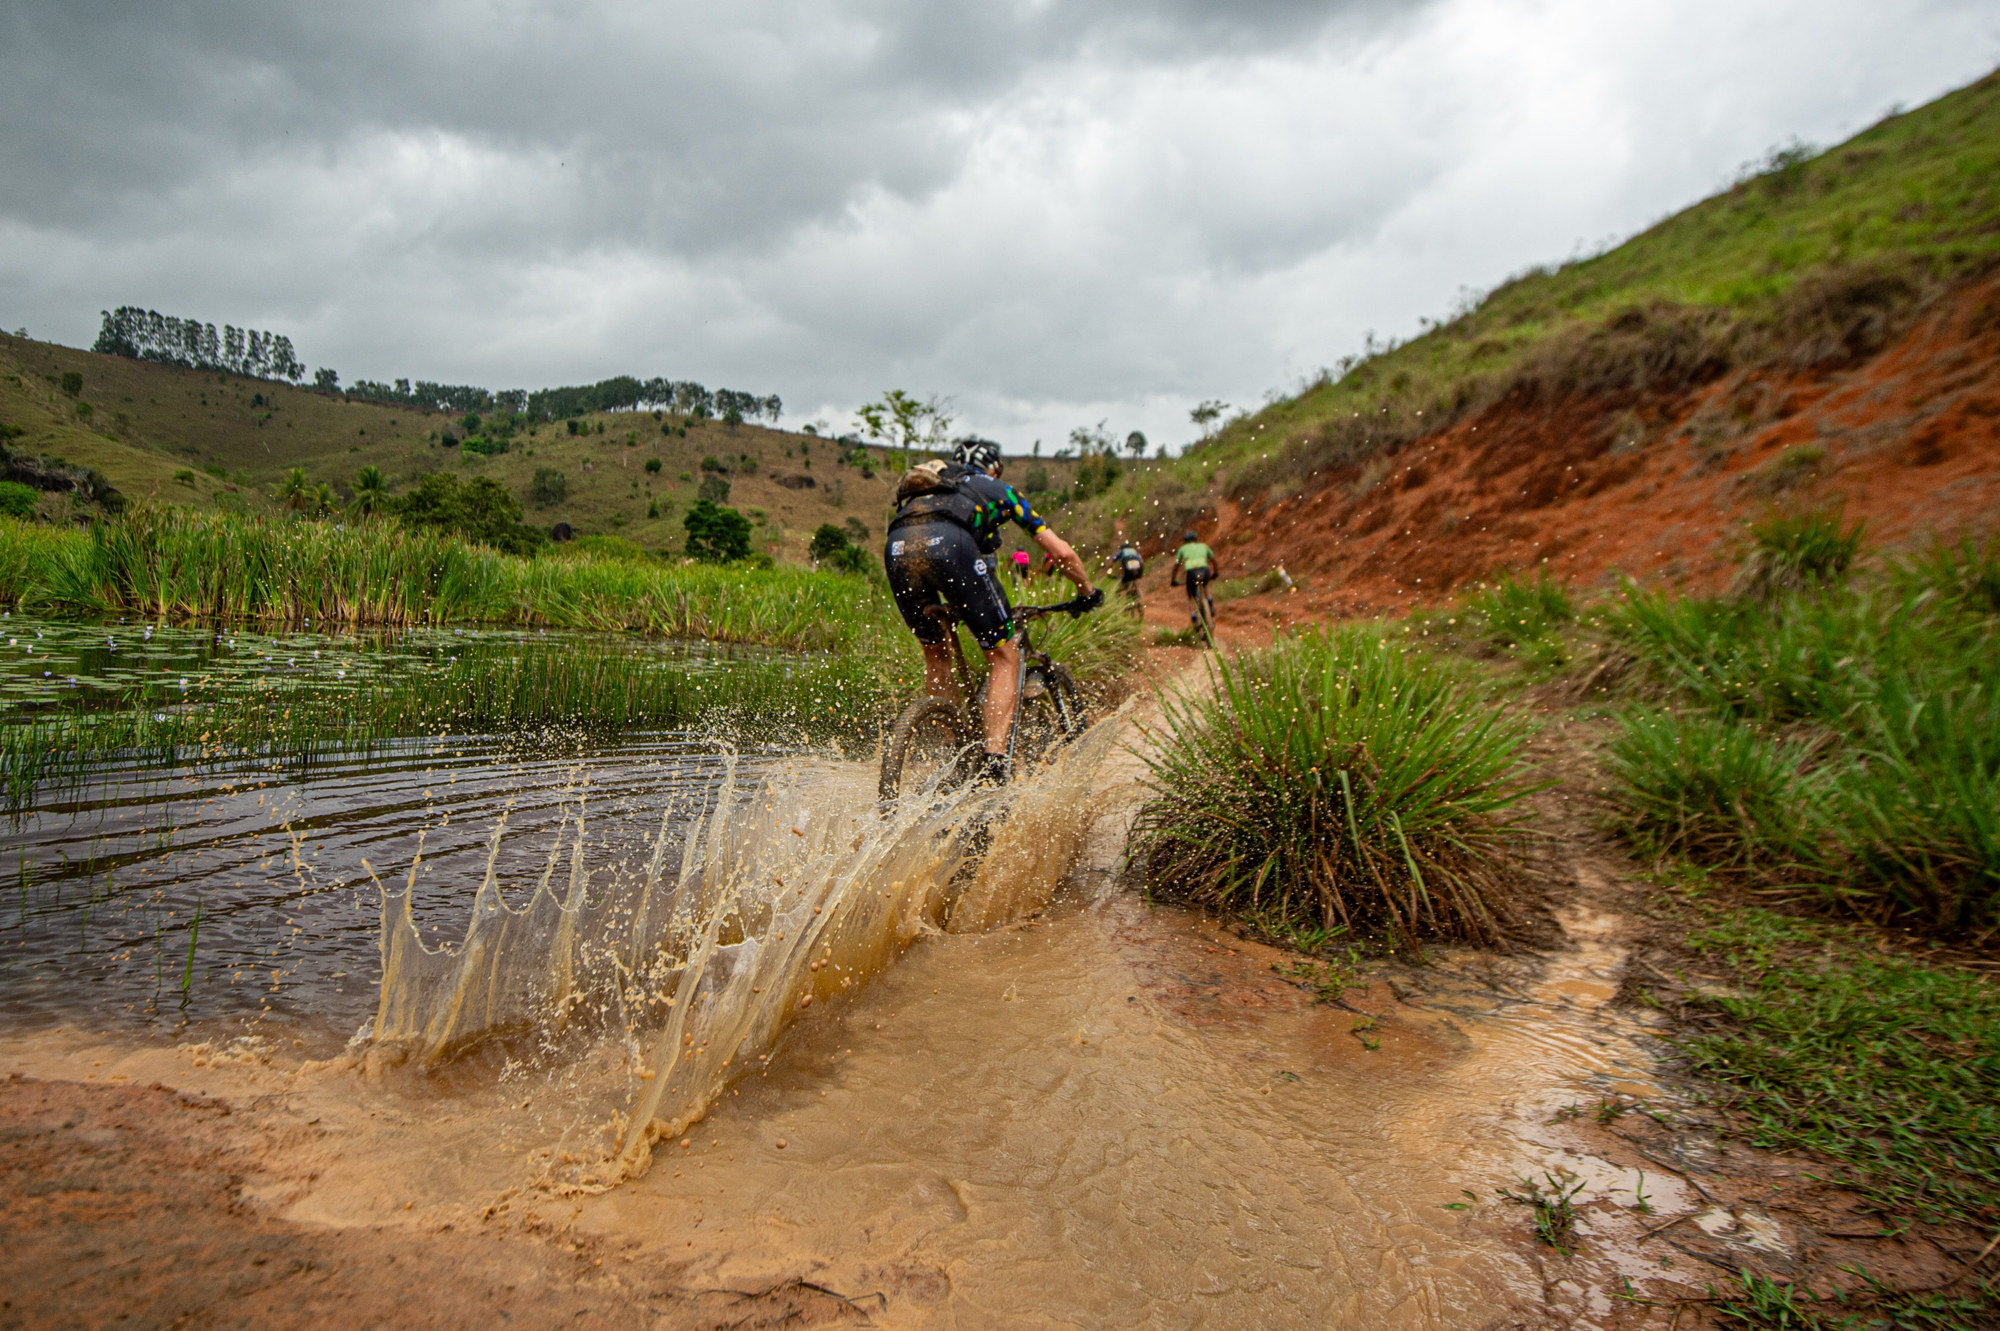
[714,489]
[484,445]
[856,529]
[826,540]
[478,509]
[549,487]
[18,500]
[716,534]
[831,547]
[72,382]
[712,464]
[1336,781]
[653,466]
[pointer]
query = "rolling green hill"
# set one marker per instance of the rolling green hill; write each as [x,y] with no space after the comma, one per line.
[1814,261]
[203,439]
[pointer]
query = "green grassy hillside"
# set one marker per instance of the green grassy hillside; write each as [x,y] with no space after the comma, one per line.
[1815,260]
[206,440]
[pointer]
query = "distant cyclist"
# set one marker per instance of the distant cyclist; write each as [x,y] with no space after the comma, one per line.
[1198,562]
[1130,565]
[942,546]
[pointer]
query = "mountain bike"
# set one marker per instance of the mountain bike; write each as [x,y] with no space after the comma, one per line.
[936,743]
[1203,627]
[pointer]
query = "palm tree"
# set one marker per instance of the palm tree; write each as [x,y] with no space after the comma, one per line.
[294,491]
[371,487]
[322,500]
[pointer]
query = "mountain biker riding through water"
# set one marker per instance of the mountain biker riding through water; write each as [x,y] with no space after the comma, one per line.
[1199,562]
[950,517]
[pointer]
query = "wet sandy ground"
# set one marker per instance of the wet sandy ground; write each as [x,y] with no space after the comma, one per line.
[1118,1115]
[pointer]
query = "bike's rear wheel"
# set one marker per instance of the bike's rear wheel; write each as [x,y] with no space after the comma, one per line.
[929,745]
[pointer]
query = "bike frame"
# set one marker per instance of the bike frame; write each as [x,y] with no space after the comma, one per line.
[1022,617]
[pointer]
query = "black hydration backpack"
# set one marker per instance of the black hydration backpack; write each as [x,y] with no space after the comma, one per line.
[935,490]
[1131,561]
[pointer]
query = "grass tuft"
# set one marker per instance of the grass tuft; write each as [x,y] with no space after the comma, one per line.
[1796,552]
[1339,782]
[1554,1210]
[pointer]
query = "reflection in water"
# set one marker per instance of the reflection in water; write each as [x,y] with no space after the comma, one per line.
[237,891]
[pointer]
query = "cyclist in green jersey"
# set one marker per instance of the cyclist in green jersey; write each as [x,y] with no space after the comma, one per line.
[1199,563]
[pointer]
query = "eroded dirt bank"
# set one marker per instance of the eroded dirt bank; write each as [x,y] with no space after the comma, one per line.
[1654,486]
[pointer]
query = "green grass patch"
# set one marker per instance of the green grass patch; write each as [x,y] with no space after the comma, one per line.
[1846,741]
[1339,781]
[1887,1065]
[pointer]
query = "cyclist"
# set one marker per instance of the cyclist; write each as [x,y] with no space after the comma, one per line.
[942,546]
[1130,564]
[1199,563]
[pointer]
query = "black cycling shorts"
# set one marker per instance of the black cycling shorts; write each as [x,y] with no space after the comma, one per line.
[930,562]
[1197,578]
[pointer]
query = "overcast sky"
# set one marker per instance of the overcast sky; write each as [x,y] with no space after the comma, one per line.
[1049,212]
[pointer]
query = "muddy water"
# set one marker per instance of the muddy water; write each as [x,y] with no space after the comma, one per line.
[1121,1117]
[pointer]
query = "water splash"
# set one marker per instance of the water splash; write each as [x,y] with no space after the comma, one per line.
[753,904]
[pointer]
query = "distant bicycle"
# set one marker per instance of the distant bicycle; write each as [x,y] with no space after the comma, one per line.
[936,743]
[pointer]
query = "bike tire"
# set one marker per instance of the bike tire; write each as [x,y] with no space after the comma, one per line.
[930,737]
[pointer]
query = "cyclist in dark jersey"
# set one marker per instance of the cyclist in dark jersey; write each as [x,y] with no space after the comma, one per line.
[942,546]
[1129,564]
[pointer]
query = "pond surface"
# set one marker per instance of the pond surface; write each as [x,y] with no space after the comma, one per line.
[236,888]
[44,661]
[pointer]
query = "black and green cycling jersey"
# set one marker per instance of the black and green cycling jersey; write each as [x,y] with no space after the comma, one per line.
[979,503]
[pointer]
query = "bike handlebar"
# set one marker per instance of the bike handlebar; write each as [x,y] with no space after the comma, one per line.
[1075,606]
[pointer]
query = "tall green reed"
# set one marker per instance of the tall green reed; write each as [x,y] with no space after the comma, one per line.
[175,564]
[568,687]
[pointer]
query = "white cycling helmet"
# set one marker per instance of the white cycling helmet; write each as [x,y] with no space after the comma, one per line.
[979,454]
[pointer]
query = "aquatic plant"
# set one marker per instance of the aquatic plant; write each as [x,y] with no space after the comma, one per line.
[595,688]
[176,564]
[1340,780]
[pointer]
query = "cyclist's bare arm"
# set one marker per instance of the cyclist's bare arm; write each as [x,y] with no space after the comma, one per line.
[1058,549]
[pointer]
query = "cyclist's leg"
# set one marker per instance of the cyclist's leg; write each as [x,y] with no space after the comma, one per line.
[915,584]
[968,582]
[1194,597]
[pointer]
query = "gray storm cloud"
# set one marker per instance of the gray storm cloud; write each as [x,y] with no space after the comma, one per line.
[1051,212]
